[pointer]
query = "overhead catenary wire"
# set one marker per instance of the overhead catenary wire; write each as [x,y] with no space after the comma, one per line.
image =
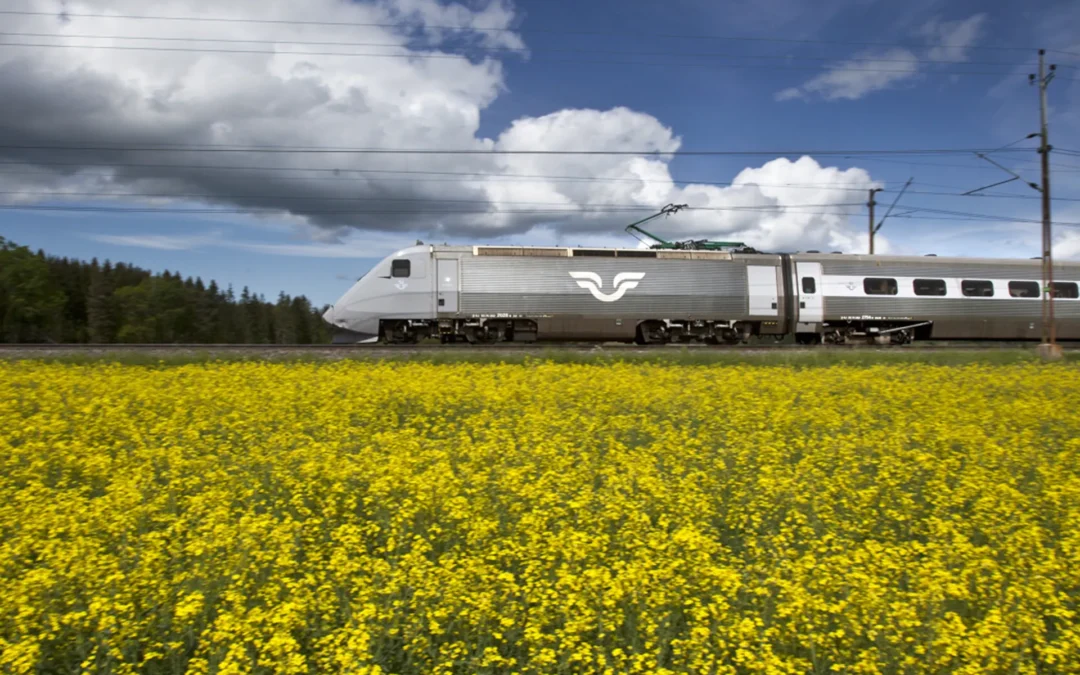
[585,208]
[416,25]
[474,212]
[471,50]
[281,149]
[940,164]
[359,212]
[445,56]
[439,200]
[535,179]
[410,172]
[408,176]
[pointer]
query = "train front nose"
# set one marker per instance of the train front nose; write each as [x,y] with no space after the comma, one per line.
[351,326]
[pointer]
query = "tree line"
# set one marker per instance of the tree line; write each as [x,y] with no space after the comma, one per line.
[45,298]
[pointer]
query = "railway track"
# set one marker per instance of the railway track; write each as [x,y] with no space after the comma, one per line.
[612,348]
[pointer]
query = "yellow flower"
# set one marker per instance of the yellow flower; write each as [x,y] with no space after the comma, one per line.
[406,517]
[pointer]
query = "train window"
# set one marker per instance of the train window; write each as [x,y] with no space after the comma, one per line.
[873,286]
[400,268]
[977,288]
[1066,289]
[1023,289]
[929,286]
[809,286]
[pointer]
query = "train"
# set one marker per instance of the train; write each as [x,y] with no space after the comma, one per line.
[493,294]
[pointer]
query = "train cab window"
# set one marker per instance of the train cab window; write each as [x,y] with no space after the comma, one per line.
[400,268]
[1066,289]
[977,288]
[809,286]
[874,286]
[929,286]
[1023,289]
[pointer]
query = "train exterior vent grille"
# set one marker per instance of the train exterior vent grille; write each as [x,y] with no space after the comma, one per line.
[551,252]
[523,251]
[693,255]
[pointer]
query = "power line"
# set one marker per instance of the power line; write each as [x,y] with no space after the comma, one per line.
[498,29]
[985,216]
[458,174]
[428,56]
[468,151]
[440,211]
[939,164]
[460,177]
[553,212]
[203,196]
[983,220]
[504,50]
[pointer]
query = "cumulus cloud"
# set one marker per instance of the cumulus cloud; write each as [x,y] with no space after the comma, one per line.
[428,91]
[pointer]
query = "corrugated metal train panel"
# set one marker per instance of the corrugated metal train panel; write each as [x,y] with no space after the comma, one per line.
[942,308]
[930,270]
[666,289]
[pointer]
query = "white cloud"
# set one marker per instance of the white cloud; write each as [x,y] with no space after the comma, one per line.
[811,207]
[161,242]
[1068,246]
[310,250]
[865,73]
[871,71]
[952,40]
[101,97]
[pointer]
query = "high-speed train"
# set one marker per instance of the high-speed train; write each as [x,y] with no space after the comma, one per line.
[490,294]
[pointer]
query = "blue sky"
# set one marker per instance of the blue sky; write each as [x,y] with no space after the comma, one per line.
[659,61]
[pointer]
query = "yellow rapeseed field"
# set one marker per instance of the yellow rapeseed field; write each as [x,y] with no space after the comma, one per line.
[364,517]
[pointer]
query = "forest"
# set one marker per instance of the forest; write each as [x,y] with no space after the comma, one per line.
[45,298]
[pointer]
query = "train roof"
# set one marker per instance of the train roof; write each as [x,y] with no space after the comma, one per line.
[928,259]
[814,256]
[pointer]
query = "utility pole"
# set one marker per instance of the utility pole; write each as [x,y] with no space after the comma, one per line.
[1049,347]
[871,204]
[875,228]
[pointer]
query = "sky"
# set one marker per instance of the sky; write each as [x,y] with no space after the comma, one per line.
[260,144]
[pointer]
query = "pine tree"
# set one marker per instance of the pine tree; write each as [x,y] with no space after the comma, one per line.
[284,320]
[62,299]
[100,307]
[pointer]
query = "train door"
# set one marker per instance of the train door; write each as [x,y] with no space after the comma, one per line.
[761,282]
[447,294]
[809,290]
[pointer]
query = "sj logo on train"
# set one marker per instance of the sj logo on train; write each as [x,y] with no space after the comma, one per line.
[623,282]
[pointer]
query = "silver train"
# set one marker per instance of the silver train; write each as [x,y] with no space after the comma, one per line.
[490,294]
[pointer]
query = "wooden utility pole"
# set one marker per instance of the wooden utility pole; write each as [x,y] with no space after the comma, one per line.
[1049,346]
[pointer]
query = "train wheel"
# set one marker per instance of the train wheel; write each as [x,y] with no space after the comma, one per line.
[651,333]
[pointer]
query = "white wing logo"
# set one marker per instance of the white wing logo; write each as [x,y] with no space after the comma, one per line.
[622,282]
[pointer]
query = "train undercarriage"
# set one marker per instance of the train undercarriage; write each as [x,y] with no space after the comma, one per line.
[472,331]
[651,332]
[877,333]
[492,331]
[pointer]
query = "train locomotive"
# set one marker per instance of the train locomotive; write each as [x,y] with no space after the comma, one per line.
[492,294]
